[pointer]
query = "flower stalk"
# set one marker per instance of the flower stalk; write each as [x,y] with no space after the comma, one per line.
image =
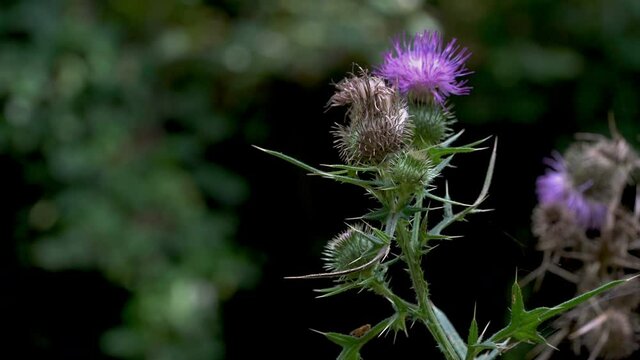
[412,256]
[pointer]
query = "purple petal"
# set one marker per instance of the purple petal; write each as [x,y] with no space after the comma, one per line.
[420,67]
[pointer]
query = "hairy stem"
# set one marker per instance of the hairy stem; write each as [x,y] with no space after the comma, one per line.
[412,256]
[399,304]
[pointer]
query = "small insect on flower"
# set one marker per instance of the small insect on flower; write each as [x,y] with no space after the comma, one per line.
[359,332]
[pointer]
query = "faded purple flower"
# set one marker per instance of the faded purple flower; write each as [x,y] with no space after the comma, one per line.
[556,187]
[421,68]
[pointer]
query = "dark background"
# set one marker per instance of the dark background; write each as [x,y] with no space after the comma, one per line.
[138,221]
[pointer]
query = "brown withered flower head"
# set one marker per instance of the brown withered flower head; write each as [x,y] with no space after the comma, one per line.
[590,237]
[602,164]
[378,119]
[616,336]
[555,227]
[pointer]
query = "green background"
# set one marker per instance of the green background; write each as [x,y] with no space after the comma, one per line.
[139,223]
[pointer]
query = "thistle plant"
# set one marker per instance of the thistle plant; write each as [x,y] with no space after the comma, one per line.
[589,237]
[396,141]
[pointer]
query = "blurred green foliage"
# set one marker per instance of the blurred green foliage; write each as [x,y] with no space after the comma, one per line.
[113,109]
[112,127]
[567,63]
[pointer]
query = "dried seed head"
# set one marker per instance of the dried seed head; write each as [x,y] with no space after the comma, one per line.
[625,230]
[348,250]
[365,95]
[556,227]
[378,124]
[601,167]
[556,186]
[618,335]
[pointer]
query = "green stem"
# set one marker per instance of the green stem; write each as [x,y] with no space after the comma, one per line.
[412,257]
[399,304]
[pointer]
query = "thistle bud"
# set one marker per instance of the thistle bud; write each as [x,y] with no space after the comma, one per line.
[378,117]
[431,124]
[348,250]
[411,170]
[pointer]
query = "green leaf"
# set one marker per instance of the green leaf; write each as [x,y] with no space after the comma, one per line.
[338,289]
[379,237]
[472,339]
[445,200]
[442,164]
[451,139]
[489,356]
[340,178]
[430,236]
[524,324]
[451,333]
[377,214]
[448,220]
[351,345]
[448,208]
[437,152]
[351,167]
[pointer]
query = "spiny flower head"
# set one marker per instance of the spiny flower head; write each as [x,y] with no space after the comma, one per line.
[349,249]
[411,170]
[378,125]
[365,95]
[555,226]
[431,124]
[606,164]
[425,69]
[616,337]
[557,186]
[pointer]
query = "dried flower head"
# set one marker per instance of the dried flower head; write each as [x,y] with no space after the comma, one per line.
[602,164]
[557,186]
[422,68]
[615,336]
[555,227]
[365,95]
[378,123]
[585,190]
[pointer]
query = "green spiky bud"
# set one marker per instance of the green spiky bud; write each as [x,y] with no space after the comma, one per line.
[411,170]
[350,249]
[431,124]
[379,122]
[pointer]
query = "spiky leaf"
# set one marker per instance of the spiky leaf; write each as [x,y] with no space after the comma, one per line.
[351,345]
[340,178]
[524,324]
[451,333]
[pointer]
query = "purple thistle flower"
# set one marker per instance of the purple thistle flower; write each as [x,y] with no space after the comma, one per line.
[422,68]
[556,187]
